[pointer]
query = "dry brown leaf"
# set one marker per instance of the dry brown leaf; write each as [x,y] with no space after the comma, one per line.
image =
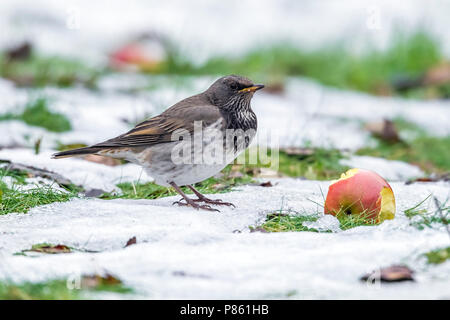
[431,178]
[130,242]
[21,52]
[438,75]
[384,130]
[395,273]
[51,249]
[95,280]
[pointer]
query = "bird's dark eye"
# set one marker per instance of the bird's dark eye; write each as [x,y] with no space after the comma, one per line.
[233,86]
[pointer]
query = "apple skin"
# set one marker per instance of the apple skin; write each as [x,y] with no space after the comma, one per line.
[133,54]
[361,192]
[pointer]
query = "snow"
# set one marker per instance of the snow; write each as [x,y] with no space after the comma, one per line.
[30,184]
[80,172]
[184,253]
[388,169]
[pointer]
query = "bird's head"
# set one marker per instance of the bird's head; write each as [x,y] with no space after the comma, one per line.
[232,92]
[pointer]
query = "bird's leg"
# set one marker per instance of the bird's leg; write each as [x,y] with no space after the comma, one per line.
[189,201]
[202,198]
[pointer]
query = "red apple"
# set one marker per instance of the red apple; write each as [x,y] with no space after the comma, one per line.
[363,193]
[135,55]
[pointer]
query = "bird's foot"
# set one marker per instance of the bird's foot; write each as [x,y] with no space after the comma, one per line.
[217,202]
[192,203]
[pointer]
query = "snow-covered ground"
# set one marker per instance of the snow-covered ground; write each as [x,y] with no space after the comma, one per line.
[183,253]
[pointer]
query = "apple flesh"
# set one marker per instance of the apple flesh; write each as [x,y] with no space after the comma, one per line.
[363,193]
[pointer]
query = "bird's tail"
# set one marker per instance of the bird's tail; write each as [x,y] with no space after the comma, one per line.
[76,152]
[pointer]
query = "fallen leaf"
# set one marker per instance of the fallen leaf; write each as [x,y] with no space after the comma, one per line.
[266,184]
[130,242]
[384,130]
[49,248]
[431,178]
[395,273]
[21,52]
[437,75]
[95,280]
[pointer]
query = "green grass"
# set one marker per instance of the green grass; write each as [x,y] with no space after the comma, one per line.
[422,218]
[13,199]
[408,55]
[322,164]
[438,256]
[56,290]
[283,222]
[348,221]
[151,190]
[432,154]
[319,164]
[40,71]
[37,113]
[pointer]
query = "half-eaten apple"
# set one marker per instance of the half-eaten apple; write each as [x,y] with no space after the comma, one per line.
[361,193]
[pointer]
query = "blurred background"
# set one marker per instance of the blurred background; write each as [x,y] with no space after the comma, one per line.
[345,80]
[362,84]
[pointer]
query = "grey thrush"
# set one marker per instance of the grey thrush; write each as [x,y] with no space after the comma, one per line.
[171,146]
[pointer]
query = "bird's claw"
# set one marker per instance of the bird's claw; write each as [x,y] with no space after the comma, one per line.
[217,202]
[195,205]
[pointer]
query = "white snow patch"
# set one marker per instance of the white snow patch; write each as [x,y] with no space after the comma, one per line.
[183,253]
[388,169]
[88,174]
[325,222]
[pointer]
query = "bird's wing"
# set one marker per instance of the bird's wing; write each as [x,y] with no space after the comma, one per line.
[160,129]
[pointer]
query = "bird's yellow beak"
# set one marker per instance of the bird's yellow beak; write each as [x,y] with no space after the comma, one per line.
[253,88]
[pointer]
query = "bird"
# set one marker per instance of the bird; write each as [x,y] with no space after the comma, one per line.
[189,142]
